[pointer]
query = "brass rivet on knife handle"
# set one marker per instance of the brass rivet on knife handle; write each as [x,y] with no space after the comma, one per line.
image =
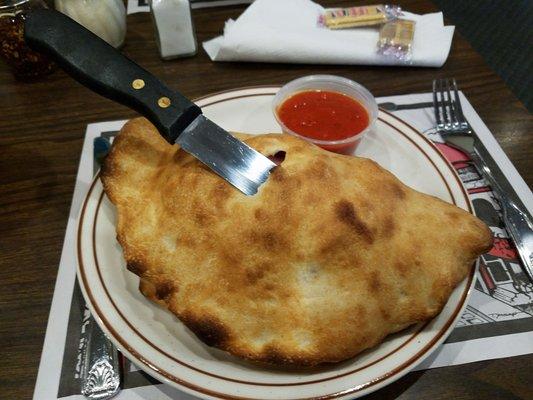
[137,84]
[163,102]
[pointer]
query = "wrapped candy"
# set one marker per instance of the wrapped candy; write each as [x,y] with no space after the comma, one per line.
[352,17]
[396,39]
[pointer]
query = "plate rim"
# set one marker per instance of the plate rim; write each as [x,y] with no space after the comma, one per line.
[396,372]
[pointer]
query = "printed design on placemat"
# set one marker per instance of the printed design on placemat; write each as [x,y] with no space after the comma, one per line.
[502,299]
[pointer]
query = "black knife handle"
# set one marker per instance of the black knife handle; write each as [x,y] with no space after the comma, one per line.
[103,69]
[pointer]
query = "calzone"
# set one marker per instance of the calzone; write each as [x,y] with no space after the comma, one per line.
[332,254]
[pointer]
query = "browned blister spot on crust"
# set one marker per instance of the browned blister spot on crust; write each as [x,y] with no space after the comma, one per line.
[297,148]
[346,213]
[163,290]
[453,215]
[367,206]
[208,329]
[398,191]
[273,241]
[201,218]
[277,356]
[107,171]
[319,170]
[186,240]
[361,311]
[334,246]
[385,313]
[389,227]
[270,240]
[311,198]
[375,282]
[278,174]
[260,214]
[402,267]
[254,274]
[221,192]
[273,356]
[136,267]
[229,258]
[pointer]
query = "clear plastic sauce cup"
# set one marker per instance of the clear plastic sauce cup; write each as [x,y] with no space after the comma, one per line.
[329,83]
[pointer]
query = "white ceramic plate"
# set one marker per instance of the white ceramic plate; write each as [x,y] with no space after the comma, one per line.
[158,343]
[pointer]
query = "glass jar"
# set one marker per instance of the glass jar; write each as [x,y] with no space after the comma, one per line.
[25,63]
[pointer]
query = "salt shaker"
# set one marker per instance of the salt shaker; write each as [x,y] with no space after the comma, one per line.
[174,28]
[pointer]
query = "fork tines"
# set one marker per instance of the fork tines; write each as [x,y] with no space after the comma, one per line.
[448,110]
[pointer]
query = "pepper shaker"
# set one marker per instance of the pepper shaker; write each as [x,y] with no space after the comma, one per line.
[174,28]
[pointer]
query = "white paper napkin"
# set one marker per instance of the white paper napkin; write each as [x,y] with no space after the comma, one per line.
[286,31]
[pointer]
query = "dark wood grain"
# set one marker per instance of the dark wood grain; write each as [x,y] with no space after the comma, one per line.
[41,133]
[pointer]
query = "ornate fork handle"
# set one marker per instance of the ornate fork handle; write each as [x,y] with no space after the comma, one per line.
[517,222]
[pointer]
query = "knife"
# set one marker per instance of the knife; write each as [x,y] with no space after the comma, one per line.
[101,68]
[100,375]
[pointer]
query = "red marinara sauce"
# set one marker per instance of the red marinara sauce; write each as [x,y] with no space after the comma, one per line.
[325,115]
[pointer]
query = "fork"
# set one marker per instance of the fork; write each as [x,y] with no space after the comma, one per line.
[457,132]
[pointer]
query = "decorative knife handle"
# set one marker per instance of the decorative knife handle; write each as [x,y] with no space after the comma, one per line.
[100,67]
[101,376]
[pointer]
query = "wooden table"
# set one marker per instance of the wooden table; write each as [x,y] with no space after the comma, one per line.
[41,133]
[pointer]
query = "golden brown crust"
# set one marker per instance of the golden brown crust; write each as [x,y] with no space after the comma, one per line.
[333,253]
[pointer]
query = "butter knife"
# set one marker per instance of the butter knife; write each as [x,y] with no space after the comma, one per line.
[101,68]
[101,375]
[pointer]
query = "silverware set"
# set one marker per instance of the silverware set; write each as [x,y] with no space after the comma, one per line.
[457,132]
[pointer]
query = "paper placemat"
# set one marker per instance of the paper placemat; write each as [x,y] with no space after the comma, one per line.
[498,321]
[136,6]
